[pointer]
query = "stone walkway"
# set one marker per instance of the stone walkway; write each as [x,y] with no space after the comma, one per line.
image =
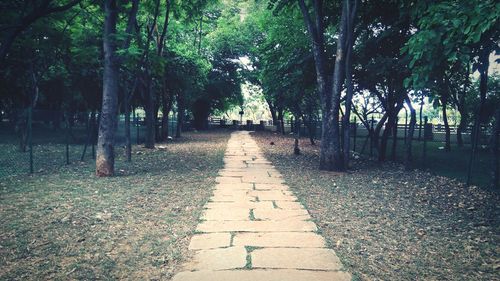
[253,228]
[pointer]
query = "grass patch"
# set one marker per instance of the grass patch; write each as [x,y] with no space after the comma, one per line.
[65,223]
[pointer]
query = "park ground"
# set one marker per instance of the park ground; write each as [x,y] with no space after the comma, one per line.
[384,223]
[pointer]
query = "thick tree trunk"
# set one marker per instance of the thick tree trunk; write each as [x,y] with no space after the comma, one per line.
[384,139]
[105,160]
[272,109]
[376,132]
[411,131]
[336,160]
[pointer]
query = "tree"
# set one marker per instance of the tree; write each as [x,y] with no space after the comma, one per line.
[105,158]
[329,90]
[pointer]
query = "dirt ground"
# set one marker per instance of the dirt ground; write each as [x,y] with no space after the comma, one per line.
[69,224]
[386,223]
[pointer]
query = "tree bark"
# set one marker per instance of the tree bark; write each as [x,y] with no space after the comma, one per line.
[351,12]
[461,127]
[444,103]
[336,161]
[105,159]
[166,107]
[420,117]
[296,149]
[180,115]
[394,139]
[126,105]
[495,173]
[150,114]
[462,109]
[411,131]
[483,88]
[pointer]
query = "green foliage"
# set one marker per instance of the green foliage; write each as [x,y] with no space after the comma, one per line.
[448,32]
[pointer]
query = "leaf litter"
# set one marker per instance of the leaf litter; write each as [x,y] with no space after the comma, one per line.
[386,223]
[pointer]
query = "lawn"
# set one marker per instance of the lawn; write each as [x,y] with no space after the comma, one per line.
[389,224]
[453,164]
[67,224]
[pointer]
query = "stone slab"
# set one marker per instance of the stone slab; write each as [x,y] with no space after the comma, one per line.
[218,259]
[280,214]
[234,186]
[228,179]
[279,239]
[231,205]
[263,275]
[222,214]
[256,226]
[296,258]
[210,241]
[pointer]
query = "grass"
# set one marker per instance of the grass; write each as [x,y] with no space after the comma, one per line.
[386,223]
[453,164]
[64,223]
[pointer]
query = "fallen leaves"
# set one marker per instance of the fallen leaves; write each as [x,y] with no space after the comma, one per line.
[394,224]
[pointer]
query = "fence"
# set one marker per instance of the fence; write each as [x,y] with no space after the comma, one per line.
[45,140]
[428,147]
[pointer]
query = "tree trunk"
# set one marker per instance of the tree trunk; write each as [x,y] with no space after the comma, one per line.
[180,115]
[311,129]
[462,109]
[105,160]
[394,138]
[384,139]
[351,11]
[273,111]
[389,126]
[495,173]
[166,107]
[336,161]
[411,131]
[376,132]
[420,117]
[444,102]
[296,149]
[483,88]
[461,127]
[128,142]
[126,105]
[150,114]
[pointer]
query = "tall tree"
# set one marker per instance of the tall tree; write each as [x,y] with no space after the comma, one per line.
[105,157]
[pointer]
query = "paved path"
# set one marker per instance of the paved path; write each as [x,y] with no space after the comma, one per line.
[253,228]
